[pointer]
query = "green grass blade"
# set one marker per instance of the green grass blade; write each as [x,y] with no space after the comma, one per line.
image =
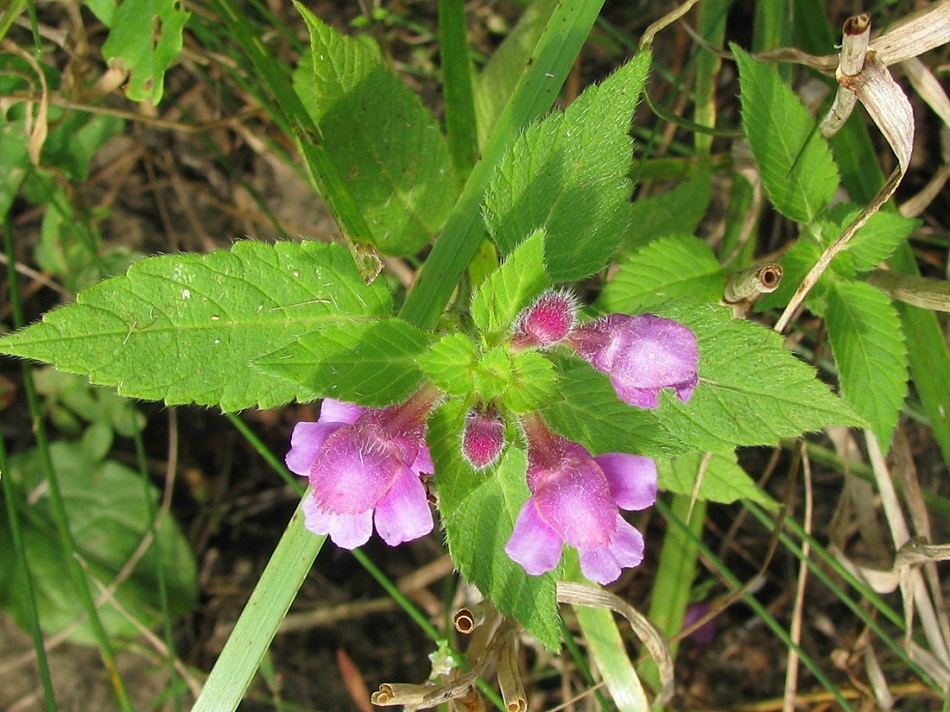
[550,62]
[457,86]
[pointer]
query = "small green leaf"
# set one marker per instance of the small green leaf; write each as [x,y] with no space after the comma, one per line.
[511,287]
[380,137]
[568,175]
[868,344]
[450,363]
[478,513]
[533,384]
[145,37]
[874,242]
[797,168]
[723,480]
[667,269]
[108,516]
[493,373]
[370,363]
[186,328]
[676,212]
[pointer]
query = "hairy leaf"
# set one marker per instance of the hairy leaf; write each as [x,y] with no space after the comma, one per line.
[568,175]
[868,343]
[186,328]
[666,269]
[676,212]
[797,168]
[478,513]
[380,137]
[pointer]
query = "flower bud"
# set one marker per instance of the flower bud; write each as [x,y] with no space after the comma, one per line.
[547,321]
[483,438]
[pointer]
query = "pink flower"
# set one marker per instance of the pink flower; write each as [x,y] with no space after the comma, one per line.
[483,438]
[642,355]
[364,466]
[575,500]
[547,321]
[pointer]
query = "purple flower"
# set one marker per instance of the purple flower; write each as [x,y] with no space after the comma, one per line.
[642,355]
[547,321]
[364,466]
[483,438]
[575,500]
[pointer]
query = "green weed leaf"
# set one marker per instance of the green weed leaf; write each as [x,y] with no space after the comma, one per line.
[370,363]
[676,212]
[186,328]
[145,37]
[797,168]
[568,175]
[514,285]
[723,480]
[478,512]
[868,344]
[874,242]
[450,363]
[108,517]
[751,392]
[380,137]
[665,270]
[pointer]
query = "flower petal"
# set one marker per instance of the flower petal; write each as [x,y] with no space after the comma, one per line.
[404,514]
[533,544]
[625,550]
[354,470]
[347,531]
[305,443]
[334,411]
[632,479]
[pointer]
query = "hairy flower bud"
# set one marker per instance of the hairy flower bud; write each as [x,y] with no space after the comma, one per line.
[364,466]
[483,438]
[547,321]
[575,500]
[642,355]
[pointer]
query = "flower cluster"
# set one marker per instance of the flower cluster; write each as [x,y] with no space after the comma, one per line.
[365,464]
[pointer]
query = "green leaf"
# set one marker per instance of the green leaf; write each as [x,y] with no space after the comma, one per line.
[514,285]
[108,516]
[868,344]
[568,175]
[450,363]
[874,242]
[370,363]
[478,513]
[533,383]
[145,37]
[723,481]
[380,137]
[185,328]
[665,270]
[751,392]
[797,168]
[675,212]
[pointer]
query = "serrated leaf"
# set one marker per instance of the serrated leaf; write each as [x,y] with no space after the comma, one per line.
[874,242]
[723,481]
[380,137]
[108,516]
[450,363]
[568,175]
[370,363]
[868,344]
[751,392]
[533,383]
[678,211]
[186,328]
[145,37]
[672,268]
[478,513]
[519,280]
[797,168]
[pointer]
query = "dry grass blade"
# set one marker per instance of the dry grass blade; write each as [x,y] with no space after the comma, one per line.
[918,33]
